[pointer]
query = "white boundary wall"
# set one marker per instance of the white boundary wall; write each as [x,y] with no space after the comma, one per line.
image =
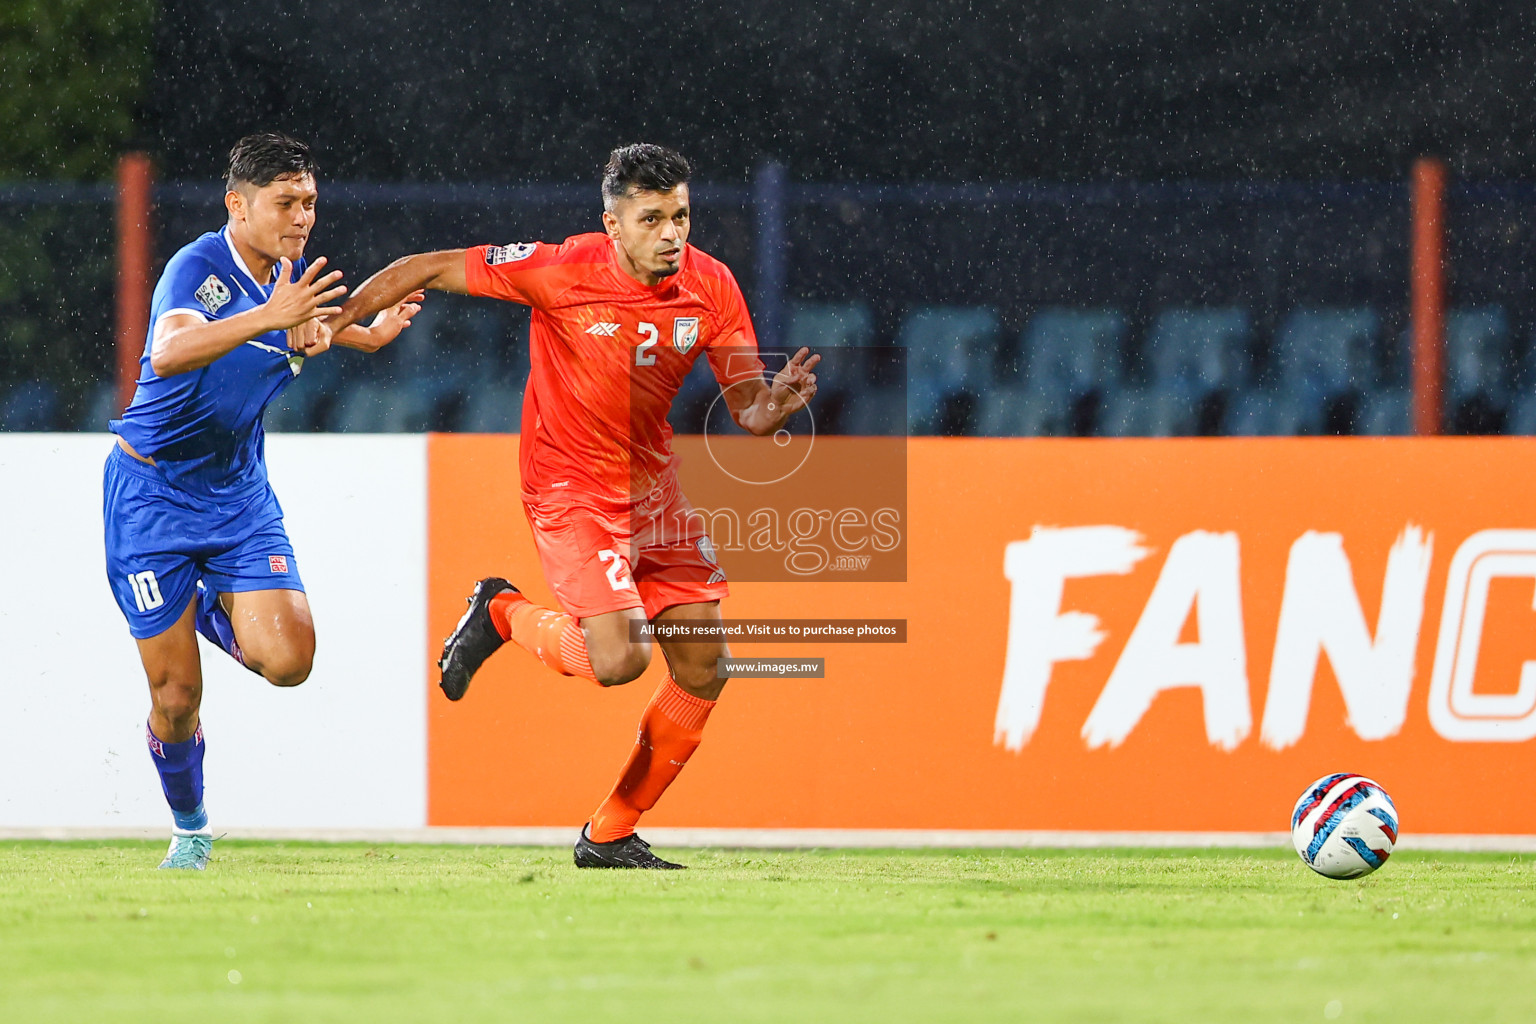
[345,750]
[342,757]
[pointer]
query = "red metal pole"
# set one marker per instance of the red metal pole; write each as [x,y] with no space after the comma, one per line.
[135,182]
[1428,294]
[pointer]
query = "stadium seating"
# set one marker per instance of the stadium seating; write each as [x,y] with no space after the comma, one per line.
[1522,416]
[1480,371]
[949,349]
[1326,360]
[493,409]
[1073,349]
[302,405]
[1261,413]
[877,412]
[1197,350]
[1386,412]
[370,407]
[823,328]
[1194,360]
[1479,366]
[1019,412]
[459,370]
[1477,352]
[1146,412]
[818,325]
[1071,359]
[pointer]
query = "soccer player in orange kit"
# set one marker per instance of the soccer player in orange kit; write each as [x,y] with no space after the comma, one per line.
[618,320]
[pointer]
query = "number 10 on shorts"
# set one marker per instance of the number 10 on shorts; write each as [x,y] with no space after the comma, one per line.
[146,590]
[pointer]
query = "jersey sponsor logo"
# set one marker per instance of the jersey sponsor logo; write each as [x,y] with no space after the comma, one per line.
[278,564]
[497,254]
[685,332]
[213,294]
[603,330]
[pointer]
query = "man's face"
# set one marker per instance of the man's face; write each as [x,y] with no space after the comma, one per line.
[651,229]
[277,218]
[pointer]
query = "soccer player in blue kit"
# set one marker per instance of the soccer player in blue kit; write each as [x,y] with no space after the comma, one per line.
[194,535]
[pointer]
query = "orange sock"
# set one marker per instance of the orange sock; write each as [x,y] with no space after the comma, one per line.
[670,730]
[555,638]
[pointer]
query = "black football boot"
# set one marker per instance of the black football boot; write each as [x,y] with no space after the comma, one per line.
[473,640]
[629,852]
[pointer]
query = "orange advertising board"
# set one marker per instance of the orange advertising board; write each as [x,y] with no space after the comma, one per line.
[1102,635]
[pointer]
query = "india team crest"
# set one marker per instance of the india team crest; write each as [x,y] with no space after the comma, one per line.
[685,332]
[213,294]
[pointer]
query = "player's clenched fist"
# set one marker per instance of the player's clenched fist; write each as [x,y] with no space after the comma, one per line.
[309,338]
[293,302]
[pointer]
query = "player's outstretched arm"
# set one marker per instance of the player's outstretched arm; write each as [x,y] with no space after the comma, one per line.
[385,328]
[763,409]
[441,271]
[184,342]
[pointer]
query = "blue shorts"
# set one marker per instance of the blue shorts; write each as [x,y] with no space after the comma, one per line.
[161,541]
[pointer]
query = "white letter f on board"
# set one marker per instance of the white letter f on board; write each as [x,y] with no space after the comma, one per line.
[1040,634]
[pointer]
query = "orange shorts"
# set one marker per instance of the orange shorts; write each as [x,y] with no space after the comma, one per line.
[597,560]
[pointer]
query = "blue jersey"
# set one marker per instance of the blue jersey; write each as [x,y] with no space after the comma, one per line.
[203,427]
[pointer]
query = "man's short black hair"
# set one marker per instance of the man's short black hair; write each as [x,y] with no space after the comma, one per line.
[642,167]
[262,158]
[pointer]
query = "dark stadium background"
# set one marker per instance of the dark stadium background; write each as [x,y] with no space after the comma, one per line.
[863,161]
[938,90]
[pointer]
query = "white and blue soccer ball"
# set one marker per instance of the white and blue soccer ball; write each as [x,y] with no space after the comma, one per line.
[1344,826]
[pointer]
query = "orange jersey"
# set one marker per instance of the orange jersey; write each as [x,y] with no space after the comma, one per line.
[608,355]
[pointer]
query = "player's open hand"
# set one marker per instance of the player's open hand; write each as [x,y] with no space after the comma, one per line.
[386,327]
[310,338]
[293,302]
[794,386]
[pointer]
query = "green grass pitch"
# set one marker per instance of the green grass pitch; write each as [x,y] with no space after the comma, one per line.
[89,931]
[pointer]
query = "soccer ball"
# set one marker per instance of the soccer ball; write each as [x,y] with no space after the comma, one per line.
[1344,826]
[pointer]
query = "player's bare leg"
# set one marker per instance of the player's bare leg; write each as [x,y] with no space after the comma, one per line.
[616,659]
[275,631]
[670,731]
[175,674]
[695,665]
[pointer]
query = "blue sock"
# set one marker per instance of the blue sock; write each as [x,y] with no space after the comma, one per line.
[181,776]
[212,621]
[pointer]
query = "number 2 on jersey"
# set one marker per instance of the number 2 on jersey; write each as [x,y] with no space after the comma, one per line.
[618,571]
[643,354]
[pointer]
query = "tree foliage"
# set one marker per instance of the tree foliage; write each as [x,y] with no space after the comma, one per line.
[72,75]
